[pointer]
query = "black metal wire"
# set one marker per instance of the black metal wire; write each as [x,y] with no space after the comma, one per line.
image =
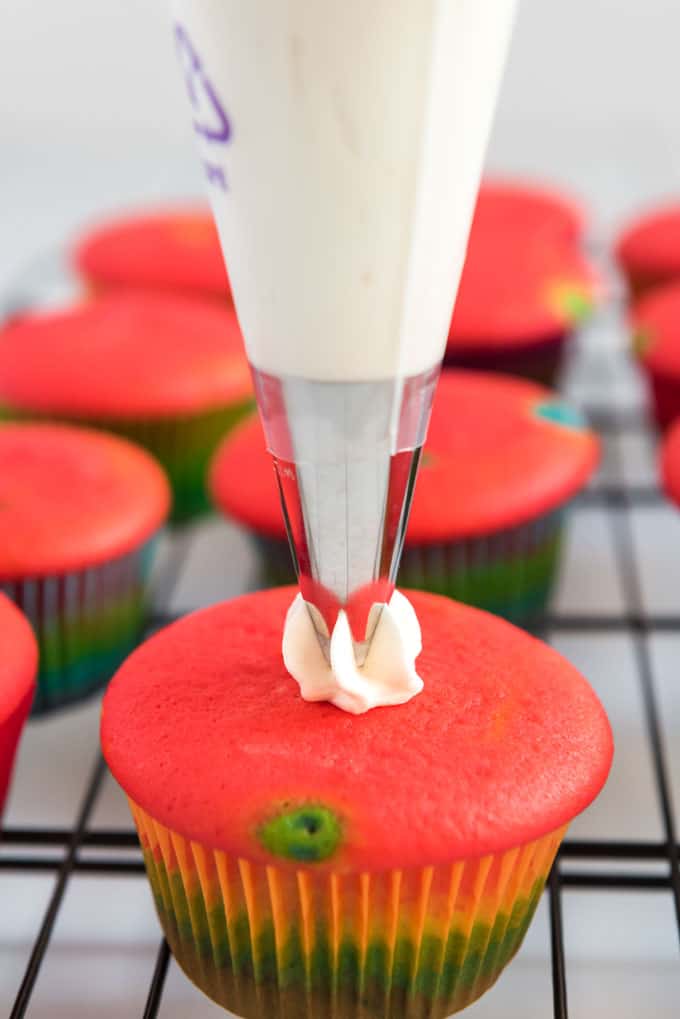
[559,972]
[45,933]
[153,1002]
[627,559]
[79,837]
[65,851]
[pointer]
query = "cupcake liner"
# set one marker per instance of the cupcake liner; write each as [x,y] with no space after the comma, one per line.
[539,362]
[510,573]
[183,445]
[285,943]
[86,624]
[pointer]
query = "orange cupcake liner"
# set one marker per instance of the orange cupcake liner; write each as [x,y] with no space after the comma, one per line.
[275,941]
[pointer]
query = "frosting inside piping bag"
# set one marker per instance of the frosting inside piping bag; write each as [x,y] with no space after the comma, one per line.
[388,675]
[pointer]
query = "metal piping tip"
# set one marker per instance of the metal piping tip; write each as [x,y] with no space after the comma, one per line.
[346,456]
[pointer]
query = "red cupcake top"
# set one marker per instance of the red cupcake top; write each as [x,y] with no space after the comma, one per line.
[500,451]
[168,249]
[205,730]
[656,327]
[125,355]
[71,498]
[18,659]
[649,247]
[534,208]
[524,277]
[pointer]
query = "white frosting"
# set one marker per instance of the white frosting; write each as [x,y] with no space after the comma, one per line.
[388,676]
[345,190]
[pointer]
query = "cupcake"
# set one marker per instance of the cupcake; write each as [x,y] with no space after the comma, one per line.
[79,513]
[538,209]
[502,461]
[648,249]
[656,344]
[525,288]
[173,251]
[309,863]
[18,665]
[168,372]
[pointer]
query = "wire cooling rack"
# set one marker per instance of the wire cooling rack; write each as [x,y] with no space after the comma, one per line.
[593,865]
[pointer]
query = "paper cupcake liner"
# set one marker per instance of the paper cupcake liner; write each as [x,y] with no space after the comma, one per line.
[276,942]
[539,362]
[510,573]
[86,624]
[184,446]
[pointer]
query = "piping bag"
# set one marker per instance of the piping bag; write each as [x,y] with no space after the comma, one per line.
[343,145]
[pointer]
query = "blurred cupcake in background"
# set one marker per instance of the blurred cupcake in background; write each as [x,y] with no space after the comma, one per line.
[526,286]
[648,249]
[503,459]
[655,320]
[310,864]
[168,372]
[79,514]
[174,250]
[18,667]
[538,209]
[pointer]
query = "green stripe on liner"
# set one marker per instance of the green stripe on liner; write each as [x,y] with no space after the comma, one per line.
[80,654]
[321,961]
[246,971]
[441,978]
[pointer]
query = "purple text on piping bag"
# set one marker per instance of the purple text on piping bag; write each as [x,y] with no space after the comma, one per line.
[210,119]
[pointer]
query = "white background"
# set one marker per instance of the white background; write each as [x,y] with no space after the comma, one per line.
[92,113]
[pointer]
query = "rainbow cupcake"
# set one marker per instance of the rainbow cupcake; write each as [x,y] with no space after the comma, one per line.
[303,867]
[656,344]
[172,251]
[169,373]
[79,514]
[648,249]
[503,459]
[525,288]
[18,665]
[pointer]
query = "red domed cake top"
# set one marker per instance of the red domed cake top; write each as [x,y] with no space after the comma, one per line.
[18,660]
[649,247]
[174,249]
[524,278]
[499,452]
[125,355]
[204,729]
[535,208]
[656,325]
[71,498]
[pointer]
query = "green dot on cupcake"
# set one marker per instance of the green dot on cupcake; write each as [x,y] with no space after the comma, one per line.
[308,833]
